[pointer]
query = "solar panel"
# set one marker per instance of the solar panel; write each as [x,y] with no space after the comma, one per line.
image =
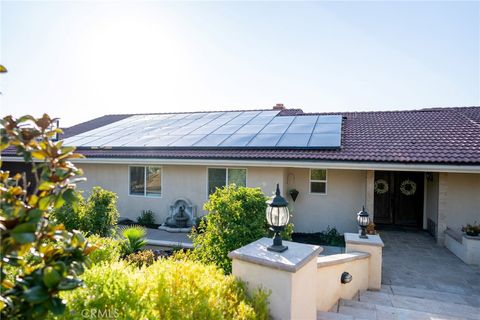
[216,129]
[237,140]
[212,140]
[325,140]
[228,129]
[265,140]
[294,140]
[275,128]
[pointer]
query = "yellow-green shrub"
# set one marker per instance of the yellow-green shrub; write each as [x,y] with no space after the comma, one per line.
[168,289]
[108,249]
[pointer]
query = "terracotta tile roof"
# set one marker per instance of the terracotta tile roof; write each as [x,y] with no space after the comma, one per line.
[436,135]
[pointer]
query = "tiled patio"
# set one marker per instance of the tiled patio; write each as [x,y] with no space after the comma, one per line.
[413,259]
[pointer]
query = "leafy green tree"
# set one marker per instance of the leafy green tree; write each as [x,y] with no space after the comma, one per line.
[236,217]
[45,258]
[97,215]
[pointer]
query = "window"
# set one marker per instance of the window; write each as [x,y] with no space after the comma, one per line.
[318,181]
[220,177]
[146,181]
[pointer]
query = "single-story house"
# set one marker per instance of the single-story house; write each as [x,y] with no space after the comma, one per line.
[416,168]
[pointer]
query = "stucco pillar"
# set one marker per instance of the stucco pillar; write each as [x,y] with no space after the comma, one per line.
[289,276]
[442,207]
[372,245]
[370,181]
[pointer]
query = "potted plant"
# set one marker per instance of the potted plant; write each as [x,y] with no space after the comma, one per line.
[294,194]
[371,227]
[471,229]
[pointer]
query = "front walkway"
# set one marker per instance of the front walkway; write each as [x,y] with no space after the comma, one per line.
[413,259]
[163,238]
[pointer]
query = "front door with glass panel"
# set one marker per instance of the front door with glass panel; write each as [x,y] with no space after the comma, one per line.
[398,198]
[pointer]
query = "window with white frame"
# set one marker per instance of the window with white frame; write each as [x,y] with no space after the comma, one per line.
[145,181]
[318,181]
[220,177]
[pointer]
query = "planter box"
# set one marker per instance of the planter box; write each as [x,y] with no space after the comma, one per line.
[465,247]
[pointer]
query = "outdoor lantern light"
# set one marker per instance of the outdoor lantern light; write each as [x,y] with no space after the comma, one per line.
[277,218]
[362,219]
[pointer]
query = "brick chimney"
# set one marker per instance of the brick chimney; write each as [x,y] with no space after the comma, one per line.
[279,106]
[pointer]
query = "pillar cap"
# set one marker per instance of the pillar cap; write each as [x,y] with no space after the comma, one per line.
[372,240]
[291,260]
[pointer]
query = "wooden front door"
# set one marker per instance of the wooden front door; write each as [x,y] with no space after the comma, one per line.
[398,198]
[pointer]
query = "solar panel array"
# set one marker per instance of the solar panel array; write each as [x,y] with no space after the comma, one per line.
[216,129]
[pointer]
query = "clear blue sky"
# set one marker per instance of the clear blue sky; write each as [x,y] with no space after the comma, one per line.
[79,60]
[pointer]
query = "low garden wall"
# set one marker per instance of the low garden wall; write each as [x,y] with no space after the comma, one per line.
[329,273]
[289,275]
[465,247]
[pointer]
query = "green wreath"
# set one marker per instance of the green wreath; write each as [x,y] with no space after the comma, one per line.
[408,187]
[380,186]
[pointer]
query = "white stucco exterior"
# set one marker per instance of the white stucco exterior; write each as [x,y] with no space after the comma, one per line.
[462,199]
[178,181]
[451,199]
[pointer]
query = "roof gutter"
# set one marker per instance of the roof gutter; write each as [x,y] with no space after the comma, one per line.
[345,165]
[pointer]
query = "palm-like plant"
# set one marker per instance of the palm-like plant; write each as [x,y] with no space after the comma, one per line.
[134,239]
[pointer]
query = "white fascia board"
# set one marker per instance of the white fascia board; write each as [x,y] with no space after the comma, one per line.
[346,165]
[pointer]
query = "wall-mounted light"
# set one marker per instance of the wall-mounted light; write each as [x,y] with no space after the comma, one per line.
[346,278]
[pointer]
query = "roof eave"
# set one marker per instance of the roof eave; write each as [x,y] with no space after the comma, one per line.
[324,164]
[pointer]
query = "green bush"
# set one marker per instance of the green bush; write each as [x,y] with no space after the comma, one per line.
[167,289]
[141,258]
[71,216]
[328,237]
[108,249]
[101,211]
[147,218]
[97,215]
[236,217]
[134,239]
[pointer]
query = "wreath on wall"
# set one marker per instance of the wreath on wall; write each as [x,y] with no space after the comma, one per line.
[380,186]
[408,187]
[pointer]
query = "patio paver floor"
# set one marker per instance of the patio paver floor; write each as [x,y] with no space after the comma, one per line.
[413,259]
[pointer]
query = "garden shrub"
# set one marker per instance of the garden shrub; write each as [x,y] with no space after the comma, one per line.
[97,215]
[101,211]
[141,258]
[236,217]
[71,216]
[147,219]
[108,249]
[134,239]
[168,289]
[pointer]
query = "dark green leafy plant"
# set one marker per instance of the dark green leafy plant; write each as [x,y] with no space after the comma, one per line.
[134,239]
[71,216]
[46,258]
[146,218]
[328,237]
[236,217]
[97,215]
[101,212]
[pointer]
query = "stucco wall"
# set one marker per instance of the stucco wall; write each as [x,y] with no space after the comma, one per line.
[177,181]
[432,198]
[346,194]
[462,199]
